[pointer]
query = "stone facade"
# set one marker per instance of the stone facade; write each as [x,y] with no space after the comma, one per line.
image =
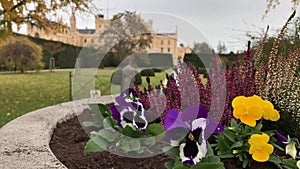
[161,42]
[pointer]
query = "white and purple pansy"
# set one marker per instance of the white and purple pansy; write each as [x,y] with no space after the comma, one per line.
[190,130]
[129,113]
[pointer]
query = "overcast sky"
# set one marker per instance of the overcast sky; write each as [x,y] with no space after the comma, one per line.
[217,20]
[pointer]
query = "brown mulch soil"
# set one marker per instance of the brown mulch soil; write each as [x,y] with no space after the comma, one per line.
[69,139]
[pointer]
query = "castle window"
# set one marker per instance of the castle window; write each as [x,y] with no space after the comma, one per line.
[37,35]
[162,42]
[169,50]
[85,40]
[162,50]
[66,31]
[169,42]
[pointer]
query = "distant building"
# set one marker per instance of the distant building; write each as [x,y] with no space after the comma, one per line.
[161,42]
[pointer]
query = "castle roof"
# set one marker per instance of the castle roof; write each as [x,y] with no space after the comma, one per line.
[86,31]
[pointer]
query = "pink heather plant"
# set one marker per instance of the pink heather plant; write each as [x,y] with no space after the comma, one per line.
[188,88]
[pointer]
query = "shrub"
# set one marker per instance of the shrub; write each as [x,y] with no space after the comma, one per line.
[157,70]
[116,78]
[195,59]
[148,72]
[138,79]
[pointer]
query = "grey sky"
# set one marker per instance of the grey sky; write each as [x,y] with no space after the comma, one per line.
[218,20]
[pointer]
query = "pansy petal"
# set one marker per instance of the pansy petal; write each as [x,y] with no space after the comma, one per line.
[193,112]
[172,119]
[199,123]
[176,134]
[259,139]
[238,101]
[260,156]
[213,127]
[239,111]
[190,152]
[140,122]
[255,112]
[248,120]
[268,148]
[115,113]
[121,101]
[280,139]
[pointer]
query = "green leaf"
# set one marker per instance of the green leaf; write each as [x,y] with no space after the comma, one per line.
[229,135]
[155,129]
[233,123]
[110,136]
[104,110]
[222,144]
[95,144]
[210,151]
[179,165]
[91,146]
[211,159]
[258,127]
[171,151]
[129,131]
[226,154]
[169,164]
[290,163]
[109,122]
[277,146]
[125,146]
[275,160]
[207,165]
[149,141]
[92,124]
[134,144]
[236,144]
[245,163]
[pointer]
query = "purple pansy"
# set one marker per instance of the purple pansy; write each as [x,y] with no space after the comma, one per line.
[128,112]
[192,126]
[281,140]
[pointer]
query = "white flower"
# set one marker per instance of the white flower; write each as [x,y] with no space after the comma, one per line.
[290,149]
[298,164]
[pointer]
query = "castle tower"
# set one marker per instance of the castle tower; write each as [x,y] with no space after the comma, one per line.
[100,22]
[73,22]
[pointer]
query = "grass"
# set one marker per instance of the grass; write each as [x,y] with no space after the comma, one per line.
[23,93]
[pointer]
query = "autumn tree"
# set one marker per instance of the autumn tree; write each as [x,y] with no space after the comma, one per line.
[272,4]
[36,12]
[20,54]
[126,34]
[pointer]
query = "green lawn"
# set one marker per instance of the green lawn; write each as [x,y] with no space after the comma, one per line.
[23,93]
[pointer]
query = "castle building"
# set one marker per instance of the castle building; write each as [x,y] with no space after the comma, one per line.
[161,42]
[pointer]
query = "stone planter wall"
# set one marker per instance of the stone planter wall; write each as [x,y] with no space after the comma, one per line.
[24,142]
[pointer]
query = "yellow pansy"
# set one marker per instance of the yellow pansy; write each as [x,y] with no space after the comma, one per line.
[269,112]
[259,147]
[247,109]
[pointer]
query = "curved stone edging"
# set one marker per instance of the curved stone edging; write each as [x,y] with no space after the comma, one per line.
[24,142]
